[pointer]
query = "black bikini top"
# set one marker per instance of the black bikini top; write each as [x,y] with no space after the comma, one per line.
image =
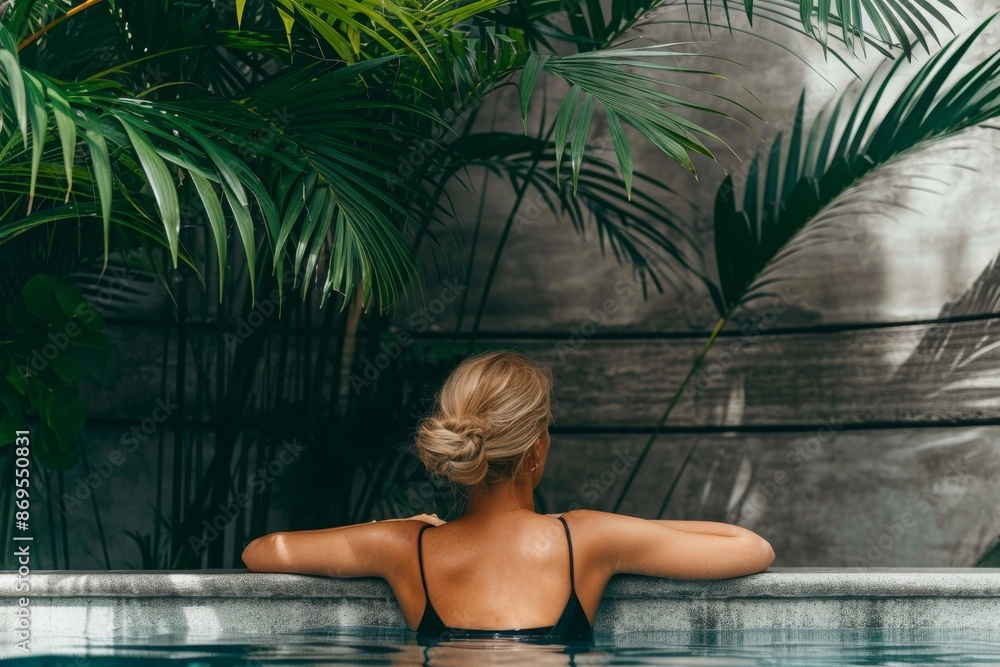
[572,625]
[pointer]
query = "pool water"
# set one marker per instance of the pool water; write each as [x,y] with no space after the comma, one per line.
[694,649]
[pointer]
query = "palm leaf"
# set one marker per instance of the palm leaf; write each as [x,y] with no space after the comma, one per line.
[793,193]
[608,78]
[818,166]
[335,188]
[639,231]
[892,20]
[357,29]
[633,229]
[594,25]
[965,366]
[25,18]
[150,138]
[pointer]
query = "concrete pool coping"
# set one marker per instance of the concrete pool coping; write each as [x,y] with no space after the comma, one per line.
[127,605]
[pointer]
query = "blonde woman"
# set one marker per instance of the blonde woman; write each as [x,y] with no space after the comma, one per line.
[502,568]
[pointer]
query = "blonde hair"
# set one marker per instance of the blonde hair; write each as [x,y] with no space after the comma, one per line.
[489,413]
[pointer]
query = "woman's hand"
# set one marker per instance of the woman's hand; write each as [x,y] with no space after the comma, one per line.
[426,518]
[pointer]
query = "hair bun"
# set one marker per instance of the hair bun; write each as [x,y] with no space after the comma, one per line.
[455,449]
[492,410]
[471,431]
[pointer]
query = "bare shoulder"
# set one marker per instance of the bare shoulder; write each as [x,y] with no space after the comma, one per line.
[601,524]
[600,533]
[398,537]
[601,543]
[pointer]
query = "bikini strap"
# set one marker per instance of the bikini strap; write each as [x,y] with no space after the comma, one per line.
[569,543]
[420,558]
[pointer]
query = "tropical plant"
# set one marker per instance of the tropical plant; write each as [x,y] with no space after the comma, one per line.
[797,197]
[258,139]
[191,105]
[58,337]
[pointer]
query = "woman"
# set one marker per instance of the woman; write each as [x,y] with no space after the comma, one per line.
[502,568]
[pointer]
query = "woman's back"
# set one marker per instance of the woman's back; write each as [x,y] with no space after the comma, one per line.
[512,571]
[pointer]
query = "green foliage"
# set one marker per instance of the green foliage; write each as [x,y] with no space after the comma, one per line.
[149,126]
[632,227]
[158,139]
[610,78]
[50,339]
[593,25]
[787,191]
[991,558]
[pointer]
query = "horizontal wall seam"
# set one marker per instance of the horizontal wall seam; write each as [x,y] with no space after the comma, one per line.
[529,336]
[802,427]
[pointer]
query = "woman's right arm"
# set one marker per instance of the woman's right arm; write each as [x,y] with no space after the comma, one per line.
[678,549]
[705,527]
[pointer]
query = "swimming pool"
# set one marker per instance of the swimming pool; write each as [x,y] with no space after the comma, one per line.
[781,617]
[378,646]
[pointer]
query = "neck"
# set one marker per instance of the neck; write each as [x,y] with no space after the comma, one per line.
[504,496]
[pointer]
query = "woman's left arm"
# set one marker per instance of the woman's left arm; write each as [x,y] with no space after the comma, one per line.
[361,550]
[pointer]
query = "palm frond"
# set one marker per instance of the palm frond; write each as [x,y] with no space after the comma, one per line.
[891,19]
[331,187]
[27,17]
[192,154]
[608,78]
[787,189]
[637,230]
[966,366]
[593,25]
[127,139]
[360,29]
[789,194]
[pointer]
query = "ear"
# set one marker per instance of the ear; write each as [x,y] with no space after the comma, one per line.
[539,447]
